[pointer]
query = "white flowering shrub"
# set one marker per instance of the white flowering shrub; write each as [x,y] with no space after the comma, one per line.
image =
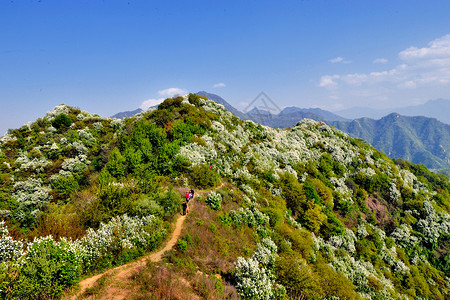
[346,241]
[251,217]
[214,200]
[76,165]
[254,276]
[86,136]
[98,126]
[247,190]
[60,109]
[117,124]
[7,138]
[10,250]
[403,237]
[390,257]
[434,224]
[394,193]
[291,221]
[80,148]
[37,163]
[32,197]
[122,233]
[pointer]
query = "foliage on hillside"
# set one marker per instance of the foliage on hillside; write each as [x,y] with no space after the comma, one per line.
[325,215]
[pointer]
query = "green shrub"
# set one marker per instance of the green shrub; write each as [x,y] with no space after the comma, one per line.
[65,185]
[214,200]
[181,245]
[204,177]
[170,202]
[49,268]
[61,121]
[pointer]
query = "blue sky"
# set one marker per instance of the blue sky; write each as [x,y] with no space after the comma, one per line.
[109,56]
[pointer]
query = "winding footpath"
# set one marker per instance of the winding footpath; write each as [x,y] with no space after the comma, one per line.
[121,273]
[124,271]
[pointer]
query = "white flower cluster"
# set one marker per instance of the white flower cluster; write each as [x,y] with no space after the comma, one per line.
[410,180]
[121,232]
[10,250]
[31,197]
[247,190]
[403,237]
[76,165]
[254,275]
[60,109]
[86,136]
[361,231]
[291,221]
[358,271]
[368,172]
[346,241]
[34,164]
[117,124]
[390,257]
[98,126]
[7,138]
[214,107]
[214,200]
[80,148]
[342,188]
[249,216]
[197,154]
[394,193]
[434,225]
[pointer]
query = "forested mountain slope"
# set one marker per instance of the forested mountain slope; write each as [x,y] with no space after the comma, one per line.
[305,212]
[417,139]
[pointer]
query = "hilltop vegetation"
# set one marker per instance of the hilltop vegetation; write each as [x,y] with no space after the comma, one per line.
[306,212]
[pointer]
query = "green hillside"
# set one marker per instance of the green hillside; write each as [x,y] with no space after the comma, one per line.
[301,213]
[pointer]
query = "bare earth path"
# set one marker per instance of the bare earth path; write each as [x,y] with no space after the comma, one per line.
[124,271]
[120,274]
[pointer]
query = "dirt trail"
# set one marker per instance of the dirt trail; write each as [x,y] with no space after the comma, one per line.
[124,271]
[120,274]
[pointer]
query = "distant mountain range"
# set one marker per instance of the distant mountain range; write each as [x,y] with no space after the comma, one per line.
[439,109]
[127,114]
[419,139]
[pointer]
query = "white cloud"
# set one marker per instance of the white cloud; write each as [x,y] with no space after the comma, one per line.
[219,85]
[170,92]
[243,105]
[336,60]
[380,61]
[167,93]
[339,59]
[328,81]
[438,48]
[150,102]
[421,67]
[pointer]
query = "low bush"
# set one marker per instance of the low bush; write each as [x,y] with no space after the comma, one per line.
[214,200]
[204,176]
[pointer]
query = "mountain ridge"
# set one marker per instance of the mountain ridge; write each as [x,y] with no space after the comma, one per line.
[418,139]
[304,212]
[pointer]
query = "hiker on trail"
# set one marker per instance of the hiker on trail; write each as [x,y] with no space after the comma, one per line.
[187,197]
[184,205]
[192,193]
